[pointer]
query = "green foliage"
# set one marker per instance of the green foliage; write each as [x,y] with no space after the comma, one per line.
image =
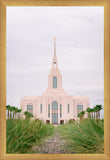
[14,110]
[71,121]
[81,114]
[92,111]
[86,136]
[28,115]
[8,108]
[102,121]
[88,110]
[22,134]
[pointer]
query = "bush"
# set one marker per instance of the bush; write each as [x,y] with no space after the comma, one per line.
[71,121]
[87,136]
[22,134]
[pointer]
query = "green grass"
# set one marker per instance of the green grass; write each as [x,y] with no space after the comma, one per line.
[84,137]
[21,135]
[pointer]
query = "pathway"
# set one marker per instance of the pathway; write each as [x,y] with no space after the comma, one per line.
[54,144]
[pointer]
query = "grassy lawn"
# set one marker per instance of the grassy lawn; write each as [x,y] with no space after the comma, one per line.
[84,137]
[21,135]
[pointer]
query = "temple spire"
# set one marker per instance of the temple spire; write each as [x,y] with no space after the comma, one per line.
[54,46]
[54,62]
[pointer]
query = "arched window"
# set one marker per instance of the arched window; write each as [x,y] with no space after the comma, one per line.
[54,112]
[54,82]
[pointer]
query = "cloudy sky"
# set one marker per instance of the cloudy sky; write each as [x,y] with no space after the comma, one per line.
[79,35]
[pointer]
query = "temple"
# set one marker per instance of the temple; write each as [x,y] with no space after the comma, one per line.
[55,106]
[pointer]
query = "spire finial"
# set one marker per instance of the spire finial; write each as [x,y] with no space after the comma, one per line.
[54,46]
[54,62]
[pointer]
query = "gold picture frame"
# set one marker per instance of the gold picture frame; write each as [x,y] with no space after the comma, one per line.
[3,5]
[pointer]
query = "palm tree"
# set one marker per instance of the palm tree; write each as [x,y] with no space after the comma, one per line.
[19,111]
[95,110]
[28,115]
[99,109]
[81,114]
[92,111]
[11,112]
[16,110]
[88,110]
[8,108]
[13,109]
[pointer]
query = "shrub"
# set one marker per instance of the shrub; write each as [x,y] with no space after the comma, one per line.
[71,121]
[22,134]
[87,136]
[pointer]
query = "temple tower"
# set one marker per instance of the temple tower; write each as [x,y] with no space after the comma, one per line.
[55,78]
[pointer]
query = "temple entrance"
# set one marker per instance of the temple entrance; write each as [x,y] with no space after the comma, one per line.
[61,121]
[48,121]
[54,112]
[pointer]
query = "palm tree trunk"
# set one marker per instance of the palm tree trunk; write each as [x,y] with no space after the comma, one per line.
[13,114]
[88,114]
[96,115]
[99,114]
[8,113]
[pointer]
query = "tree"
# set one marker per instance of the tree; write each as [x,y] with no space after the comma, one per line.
[8,108]
[92,111]
[11,112]
[28,115]
[19,111]
[99,109]
[95,110]
[13,109]
[88,110]
[81,114]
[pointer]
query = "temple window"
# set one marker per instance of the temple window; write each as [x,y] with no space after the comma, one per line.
[30,108]
[79,109]
[41,108]
[49,110]
[54,82]
[60,110]
[68,108]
